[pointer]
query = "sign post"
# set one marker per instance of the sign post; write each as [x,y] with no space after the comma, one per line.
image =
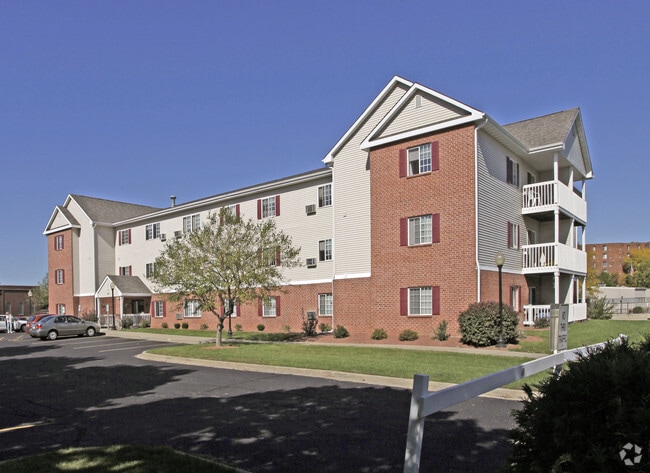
[559,327]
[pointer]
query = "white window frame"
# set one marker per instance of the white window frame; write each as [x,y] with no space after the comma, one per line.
[515,297]
[420,301]
[60,309]
[158,309]
[192,223]
[152,231]
[59,276]
[226,304]
[420,230]
[326,304]
[325,252]
[419,159]
[125,271]
[124,237]
[191,309]
[58,242]
[325,195]
[269,307]
[514,236]
[149,270]
[268,207]
[512,168]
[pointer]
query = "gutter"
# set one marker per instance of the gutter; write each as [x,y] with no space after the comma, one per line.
[478,264]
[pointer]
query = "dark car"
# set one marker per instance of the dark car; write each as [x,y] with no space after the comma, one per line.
[55,326]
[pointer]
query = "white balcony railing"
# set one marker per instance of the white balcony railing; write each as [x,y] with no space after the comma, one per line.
[549,257]
[546,196]
[532,313]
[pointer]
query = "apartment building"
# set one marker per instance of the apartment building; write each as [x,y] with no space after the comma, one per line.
[611,256]
[398,230]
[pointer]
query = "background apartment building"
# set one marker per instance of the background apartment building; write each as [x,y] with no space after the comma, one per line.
[611,256]
[399,229]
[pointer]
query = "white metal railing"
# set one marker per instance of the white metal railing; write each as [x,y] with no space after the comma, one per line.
[532,313]
[425,403]
[544,196]
[546,257]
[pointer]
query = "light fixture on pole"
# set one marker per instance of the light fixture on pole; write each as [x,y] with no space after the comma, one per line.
[500,260]
[113,302]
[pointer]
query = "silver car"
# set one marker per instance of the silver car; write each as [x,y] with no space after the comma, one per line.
[55,326]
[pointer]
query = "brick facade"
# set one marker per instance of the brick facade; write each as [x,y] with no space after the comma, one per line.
[61,259]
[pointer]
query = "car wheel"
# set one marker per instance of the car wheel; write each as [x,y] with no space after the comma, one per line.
[52,335]
[22,328]
[91,332]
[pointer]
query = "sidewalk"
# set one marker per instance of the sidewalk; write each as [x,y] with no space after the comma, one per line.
[501,393]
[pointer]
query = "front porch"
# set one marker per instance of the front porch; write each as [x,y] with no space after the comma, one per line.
[532,313]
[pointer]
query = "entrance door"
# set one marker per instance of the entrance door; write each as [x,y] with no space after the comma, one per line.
[138,306]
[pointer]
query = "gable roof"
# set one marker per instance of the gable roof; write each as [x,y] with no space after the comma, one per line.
[124,286]
[109,211]
[542,131]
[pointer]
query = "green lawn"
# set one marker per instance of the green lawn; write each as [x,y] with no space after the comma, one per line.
[401,363]
[118,458]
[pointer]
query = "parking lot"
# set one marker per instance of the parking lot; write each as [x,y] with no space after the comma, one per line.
[94,391]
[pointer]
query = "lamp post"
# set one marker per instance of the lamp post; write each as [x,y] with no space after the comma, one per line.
[113,302]
[499,259]
[30,294]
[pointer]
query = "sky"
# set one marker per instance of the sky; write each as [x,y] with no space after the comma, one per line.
[136,100]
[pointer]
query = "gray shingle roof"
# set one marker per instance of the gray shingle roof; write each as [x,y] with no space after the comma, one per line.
[109,211]
[130,285]
[546,130]
[68,215]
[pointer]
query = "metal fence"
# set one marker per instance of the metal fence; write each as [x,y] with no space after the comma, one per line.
[626,305]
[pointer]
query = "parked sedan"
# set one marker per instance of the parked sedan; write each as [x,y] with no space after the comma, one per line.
[33,319]
[55,326]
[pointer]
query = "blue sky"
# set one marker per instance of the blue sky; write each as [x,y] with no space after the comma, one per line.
[138,100]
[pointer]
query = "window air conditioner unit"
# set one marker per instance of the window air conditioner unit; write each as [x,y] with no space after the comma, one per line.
[310,209]
[311,314]
[311,262]
[178,234]
[163,237]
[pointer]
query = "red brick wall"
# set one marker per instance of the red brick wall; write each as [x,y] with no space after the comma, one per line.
[352,305]
[61,259]
[449,264]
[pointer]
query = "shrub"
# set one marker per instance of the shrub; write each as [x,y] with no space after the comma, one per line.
[325,327]
[543,322]
[480,325]
[441,333]
[203,327]
[185,325]
[408,335]
[341,332]
[599,308]
[164,325]
[177,325]
[260,327]
[582,420]
[238,327]
[127,322]
[637,310]
[146,325]
[309,326]
[379,334]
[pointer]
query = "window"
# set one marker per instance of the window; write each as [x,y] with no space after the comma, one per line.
[192,223]
[420,301]
[125,237]
[512,172]
[325,304]
[515,298]
[269,207]
[271,256]
[152,231]
[21,308]
[59,276]
[531,177]
[149,271]
[325,195]
[270,307]
[420,230]
[227,305]
[125,270]
[192,309]
[58,242]
[604,255]
[60,309]
[513,235]
[419,159]
[325,250]
[159,308]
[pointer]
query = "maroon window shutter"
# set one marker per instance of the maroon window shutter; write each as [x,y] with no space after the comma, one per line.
[277,306]
[435,155]
[509,236]
[402,163]
[63,276]
[508,170]
[259,209]
[237,210]
[435,300]
[164,308]
[277,256]
[119,238]
[435,228]
[403,231]
[238,309]
[129,236]
[518,237]
[277,205]
[260,307]
[404,301]
[130,271]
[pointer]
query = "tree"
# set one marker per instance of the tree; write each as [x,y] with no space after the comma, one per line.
[40,295]
[637,268]
[226,262]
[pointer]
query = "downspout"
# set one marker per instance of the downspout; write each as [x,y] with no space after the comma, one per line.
[478,263]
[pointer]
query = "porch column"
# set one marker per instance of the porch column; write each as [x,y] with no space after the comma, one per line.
[556,286]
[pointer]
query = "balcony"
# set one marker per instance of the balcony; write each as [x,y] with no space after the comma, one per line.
[551,257]
[545,197]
